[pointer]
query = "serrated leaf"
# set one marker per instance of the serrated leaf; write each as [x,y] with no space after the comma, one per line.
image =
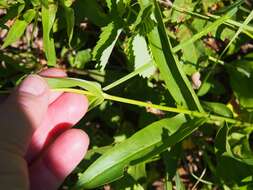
[48,18]
[144,22]
[144,144]
[93,87]
[141,55]
[18,28]
[106,43]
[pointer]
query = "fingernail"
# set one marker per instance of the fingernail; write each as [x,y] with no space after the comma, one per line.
[34,85]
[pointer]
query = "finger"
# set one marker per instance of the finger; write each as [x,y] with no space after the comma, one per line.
[20,116]
[53,72]
[23,112]
[59,160]
[62,114]
[57,73]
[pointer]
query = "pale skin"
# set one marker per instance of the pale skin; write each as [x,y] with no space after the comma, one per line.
[38,146]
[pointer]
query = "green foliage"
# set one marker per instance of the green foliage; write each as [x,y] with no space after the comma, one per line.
[141,55]
[144,144]
[18,28]
[148,60]
[218,108]
[48,17]
[144,23]
[170,69]
[241,80]
[92,87]
[70,20]
[106,43]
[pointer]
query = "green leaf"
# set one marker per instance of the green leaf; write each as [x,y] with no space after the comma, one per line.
[183,4]
[171,158]
[138,171]
[81,58]
[44,3]
[90,9]
[241,82]
[170,69]
[144,22]
[109,3]
[3,4]
[142,56]
[93,87]
[70,20]
[240,29]
[67,3]
[106,43]
[48,18]
[205,31]
[221,141]
[13,11]
[179,183]
[191,57]
[144,144]
[237,171]
[217,108]
[225,9]
[18,28]
[35,3]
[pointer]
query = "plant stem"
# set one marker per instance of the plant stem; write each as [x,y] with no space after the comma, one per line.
[127,77]
[163,108]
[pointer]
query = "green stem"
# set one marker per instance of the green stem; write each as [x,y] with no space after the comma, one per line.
[127,77]
[163,108]
[231,23]
[211,117]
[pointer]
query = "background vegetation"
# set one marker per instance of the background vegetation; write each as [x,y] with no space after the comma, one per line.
[188,62]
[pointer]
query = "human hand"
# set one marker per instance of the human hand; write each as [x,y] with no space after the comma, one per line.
[37,147]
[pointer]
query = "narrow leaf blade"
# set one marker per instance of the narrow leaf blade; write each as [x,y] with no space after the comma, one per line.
[144,144]
[48,18]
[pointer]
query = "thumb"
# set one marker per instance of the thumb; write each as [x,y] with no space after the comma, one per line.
[23,112]
[20,115]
